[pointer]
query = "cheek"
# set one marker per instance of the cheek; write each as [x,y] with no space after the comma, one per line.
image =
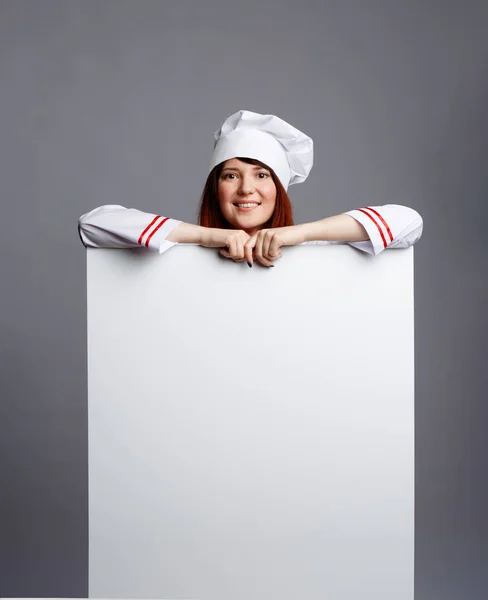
[270,195]
[223,195]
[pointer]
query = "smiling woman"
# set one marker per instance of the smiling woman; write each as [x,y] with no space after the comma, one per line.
[242,181]
[245,209]
[247,195]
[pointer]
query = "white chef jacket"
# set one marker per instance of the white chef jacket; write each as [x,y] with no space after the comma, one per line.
[114,226]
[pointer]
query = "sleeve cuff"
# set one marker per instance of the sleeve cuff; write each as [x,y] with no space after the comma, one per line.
[376,228]
[158,242]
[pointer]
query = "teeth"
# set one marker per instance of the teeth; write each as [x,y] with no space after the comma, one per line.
[248,205]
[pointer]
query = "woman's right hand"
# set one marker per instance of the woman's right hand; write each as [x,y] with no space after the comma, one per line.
[232,240]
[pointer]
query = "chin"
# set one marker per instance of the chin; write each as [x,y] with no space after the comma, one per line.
[249,224]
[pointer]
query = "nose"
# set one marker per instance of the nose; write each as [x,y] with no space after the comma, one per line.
[246,187]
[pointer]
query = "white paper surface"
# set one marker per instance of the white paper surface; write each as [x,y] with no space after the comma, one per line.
[251,431]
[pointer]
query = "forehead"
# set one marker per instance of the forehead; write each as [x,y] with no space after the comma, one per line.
[235,163]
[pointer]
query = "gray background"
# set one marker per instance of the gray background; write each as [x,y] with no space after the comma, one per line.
[115,102]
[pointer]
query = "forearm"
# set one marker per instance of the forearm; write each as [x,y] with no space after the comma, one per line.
[187,233]
[339,228]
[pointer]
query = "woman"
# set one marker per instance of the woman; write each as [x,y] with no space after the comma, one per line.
[245,209]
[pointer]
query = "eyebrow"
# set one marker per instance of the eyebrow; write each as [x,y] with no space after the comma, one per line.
[255,167]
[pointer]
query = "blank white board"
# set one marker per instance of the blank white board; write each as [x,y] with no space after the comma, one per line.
[251,431]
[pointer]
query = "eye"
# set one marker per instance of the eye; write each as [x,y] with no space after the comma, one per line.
[263,175]
[229,175]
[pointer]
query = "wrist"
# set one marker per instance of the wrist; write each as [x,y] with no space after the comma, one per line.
[315,231]
[202,234]
[187,233]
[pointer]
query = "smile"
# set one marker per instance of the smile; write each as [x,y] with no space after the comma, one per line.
[246,206]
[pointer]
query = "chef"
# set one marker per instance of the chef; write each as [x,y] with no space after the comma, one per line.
[245,210]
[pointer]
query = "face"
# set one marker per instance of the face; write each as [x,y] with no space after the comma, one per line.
[247,195]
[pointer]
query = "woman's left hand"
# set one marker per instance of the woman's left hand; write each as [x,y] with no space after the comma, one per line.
[264,246]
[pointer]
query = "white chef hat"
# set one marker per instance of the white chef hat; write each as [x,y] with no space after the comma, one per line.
[266,138]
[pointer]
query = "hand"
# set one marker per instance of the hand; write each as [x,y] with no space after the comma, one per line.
[231,239]
[264,246]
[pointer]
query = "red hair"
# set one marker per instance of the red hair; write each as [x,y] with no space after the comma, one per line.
[210,215]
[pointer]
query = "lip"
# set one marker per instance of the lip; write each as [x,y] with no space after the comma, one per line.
[248,209]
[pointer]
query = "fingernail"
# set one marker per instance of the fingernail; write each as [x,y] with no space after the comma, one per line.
[249,264]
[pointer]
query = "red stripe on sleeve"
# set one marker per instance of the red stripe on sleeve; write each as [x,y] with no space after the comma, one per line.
[377,225]
[382,220]
[147,229]
[154,231]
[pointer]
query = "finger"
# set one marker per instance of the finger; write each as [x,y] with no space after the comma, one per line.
[268,238]
[233,248]
[274,249]
[258,246]
[240,250]
[225,254]
[248,250]
[265,243]
[258,251]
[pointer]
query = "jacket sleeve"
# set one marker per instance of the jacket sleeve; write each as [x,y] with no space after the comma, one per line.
[114,226]
[388,226]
